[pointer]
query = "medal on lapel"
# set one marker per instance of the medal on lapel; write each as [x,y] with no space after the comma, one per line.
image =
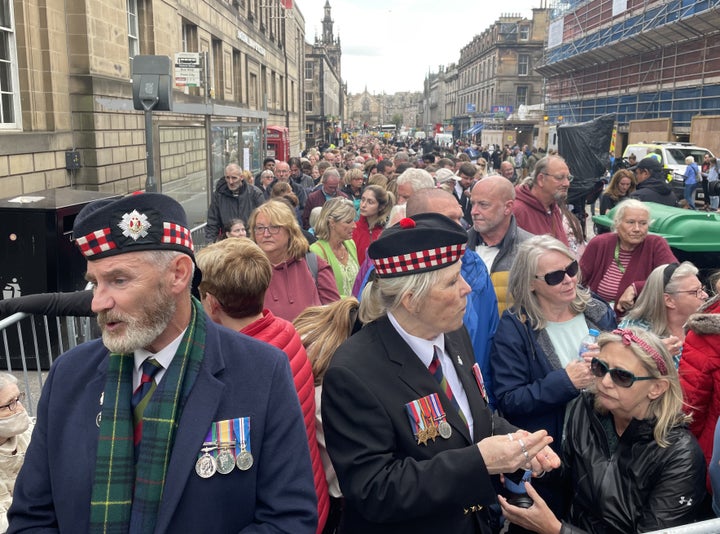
[206,466]
[244,459]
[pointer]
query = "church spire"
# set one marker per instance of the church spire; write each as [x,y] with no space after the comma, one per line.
[327,24]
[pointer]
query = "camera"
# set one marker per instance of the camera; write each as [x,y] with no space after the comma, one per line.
[515,490]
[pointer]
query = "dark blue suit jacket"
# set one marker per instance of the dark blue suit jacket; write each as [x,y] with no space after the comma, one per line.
[239,377]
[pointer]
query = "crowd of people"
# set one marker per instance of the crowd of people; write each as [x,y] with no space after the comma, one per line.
[376,340]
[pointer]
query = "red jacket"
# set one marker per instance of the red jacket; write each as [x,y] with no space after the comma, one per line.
[282,334]
[363,236]
[531,215]
[600,253]
[700,373]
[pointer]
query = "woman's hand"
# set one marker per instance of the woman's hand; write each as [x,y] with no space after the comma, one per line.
[627,299]
[673,345]
[508,453]
[578,372]
[538,518]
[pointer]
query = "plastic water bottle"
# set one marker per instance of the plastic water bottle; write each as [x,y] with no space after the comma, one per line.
[588,340]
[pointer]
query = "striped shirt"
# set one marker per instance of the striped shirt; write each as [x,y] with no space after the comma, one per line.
[608,287]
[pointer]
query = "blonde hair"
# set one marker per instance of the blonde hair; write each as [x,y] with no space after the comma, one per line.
[337,209]
[650,304]
[351,174]
[386,294]
[522,276]
[323,329]
[279,213]
[667,408]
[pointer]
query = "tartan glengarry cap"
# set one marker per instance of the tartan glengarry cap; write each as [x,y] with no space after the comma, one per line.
[421,243]
[144,221]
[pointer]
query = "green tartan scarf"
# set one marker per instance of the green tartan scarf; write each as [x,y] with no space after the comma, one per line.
[126,496]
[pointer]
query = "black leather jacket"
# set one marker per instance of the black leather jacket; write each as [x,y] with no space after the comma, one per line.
[640,487]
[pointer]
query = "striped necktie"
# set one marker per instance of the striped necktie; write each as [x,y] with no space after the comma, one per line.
[435,369]
[141,397]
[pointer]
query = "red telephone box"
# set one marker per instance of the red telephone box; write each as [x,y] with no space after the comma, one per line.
[278,143]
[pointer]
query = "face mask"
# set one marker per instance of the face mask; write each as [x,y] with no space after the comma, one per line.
[14,425]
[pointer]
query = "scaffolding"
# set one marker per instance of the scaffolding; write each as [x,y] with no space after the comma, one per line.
[655,59]
[591,34]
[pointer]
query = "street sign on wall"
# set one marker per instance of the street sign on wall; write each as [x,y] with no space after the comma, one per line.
[188,69]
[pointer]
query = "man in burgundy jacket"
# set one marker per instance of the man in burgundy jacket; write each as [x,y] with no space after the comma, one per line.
[536,207]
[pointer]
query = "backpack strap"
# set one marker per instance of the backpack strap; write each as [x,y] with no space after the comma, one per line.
[312,262]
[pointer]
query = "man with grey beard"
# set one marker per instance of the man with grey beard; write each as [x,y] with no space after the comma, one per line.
[536,206]
[170,423]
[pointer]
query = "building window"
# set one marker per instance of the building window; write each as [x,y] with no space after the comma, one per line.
[9,93]
[523,64]
[189,37]
[309,70]
[253,91]
[308,101]
[521,96]
[217,86]
[133,28]
[524,32]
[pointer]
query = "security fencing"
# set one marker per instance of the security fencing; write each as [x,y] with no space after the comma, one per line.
[30,343]
[711,526]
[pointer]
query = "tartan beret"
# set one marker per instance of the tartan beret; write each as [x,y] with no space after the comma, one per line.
[143,221]
[421,243]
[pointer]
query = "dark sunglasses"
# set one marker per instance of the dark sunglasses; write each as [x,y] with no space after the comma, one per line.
[620,377]
[555,277]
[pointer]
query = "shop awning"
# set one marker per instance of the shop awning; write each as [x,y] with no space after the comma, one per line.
[475,129]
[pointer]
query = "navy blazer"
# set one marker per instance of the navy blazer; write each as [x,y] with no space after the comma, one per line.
[391,483]
[239,377]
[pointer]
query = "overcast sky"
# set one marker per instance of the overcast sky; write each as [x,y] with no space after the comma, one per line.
[390,45]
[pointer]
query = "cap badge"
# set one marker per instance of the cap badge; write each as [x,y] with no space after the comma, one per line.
[134,225]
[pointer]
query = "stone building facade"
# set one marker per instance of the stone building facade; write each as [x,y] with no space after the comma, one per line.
[365,111]
[404,105]
[70,90]
[324,99]
[497,80]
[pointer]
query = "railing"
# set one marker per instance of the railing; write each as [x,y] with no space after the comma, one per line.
[198,236]
[711,526]
[30,344]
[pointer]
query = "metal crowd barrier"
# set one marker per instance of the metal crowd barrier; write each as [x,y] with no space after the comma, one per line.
[712,526]
[30,343]
[198,236]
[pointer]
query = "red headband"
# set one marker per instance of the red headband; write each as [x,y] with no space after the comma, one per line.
[628,336]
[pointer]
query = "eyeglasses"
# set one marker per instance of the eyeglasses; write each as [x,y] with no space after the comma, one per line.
[12,405]
[699,292]
[560,178]
[272,230]
[555,277]
[620,377]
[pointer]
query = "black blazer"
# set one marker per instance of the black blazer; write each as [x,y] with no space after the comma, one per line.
[390,483]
